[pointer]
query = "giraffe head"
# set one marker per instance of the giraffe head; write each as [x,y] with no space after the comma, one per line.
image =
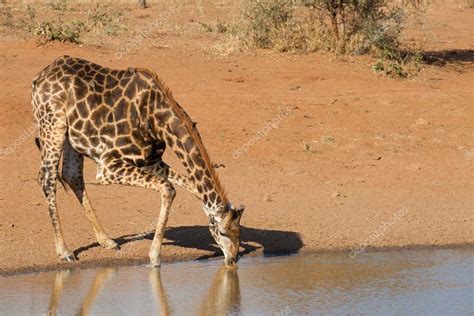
[225,228]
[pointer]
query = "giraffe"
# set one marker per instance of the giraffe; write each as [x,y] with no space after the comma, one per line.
[123,120]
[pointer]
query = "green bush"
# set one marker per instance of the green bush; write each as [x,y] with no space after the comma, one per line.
[342,26]
[59,5]
[265,18]
[65,23]
[52,31]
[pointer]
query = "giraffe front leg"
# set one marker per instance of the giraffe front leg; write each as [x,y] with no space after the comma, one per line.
[120,172]
[162,170]
[167,197]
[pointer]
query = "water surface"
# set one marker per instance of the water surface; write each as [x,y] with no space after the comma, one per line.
[422,282]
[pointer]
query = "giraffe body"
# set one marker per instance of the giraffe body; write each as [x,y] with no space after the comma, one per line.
[123,120]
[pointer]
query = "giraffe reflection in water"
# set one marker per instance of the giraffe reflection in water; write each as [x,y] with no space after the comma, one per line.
[222,298]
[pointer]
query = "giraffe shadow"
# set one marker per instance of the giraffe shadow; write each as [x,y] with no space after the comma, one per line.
[271,242]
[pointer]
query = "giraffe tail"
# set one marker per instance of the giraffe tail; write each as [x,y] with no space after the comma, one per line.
[37,142]
[64,184]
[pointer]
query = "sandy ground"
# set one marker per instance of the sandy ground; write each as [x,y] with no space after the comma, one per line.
[351,158]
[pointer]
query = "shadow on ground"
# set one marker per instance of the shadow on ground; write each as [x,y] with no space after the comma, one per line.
[446,57]
[272,242]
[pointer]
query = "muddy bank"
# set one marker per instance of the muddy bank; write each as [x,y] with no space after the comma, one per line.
[123,262]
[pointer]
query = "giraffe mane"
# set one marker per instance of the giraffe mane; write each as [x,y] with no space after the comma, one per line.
[193,132]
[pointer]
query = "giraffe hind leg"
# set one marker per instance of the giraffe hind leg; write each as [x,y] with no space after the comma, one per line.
[52,145]
[60,179]
[72,174]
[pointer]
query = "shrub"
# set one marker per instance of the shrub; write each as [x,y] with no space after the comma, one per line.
[265,18]
[7,16]
[63,22]
[52,31]
[341,26]
[59,5]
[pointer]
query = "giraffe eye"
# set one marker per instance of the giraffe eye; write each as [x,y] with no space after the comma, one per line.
[213,228]
[223,234]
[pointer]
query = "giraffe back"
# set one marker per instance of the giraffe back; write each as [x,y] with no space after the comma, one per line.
[106,110]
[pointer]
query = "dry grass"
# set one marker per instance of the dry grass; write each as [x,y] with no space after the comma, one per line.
[360,27]
[344,27]
[59,20]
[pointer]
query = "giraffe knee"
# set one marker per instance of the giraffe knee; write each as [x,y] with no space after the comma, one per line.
[168,192]
[162,170]
[41,176]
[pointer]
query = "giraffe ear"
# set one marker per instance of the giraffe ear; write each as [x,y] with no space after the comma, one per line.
[238,213]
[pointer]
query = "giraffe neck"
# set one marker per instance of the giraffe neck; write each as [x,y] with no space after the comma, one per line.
[205,181]
[175,127]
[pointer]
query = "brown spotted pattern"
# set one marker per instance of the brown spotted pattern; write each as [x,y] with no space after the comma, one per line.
[123,120]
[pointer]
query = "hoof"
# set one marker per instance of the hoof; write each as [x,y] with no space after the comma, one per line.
[231,267]
[109,244]
[68,257]
[230,263]
[153,266]
[155,263]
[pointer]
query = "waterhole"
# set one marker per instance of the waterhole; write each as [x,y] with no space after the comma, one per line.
[421,282]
